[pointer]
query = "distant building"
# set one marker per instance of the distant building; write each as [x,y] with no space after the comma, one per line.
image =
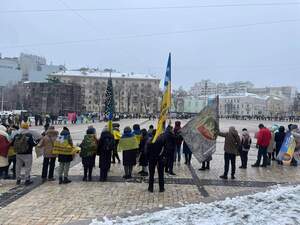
[25,68]
[133,93]
[207,87]
[45,97]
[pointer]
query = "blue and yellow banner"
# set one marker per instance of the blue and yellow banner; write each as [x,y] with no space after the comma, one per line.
[128,143]
[166,102]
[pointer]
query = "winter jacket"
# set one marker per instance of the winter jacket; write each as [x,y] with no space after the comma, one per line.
[232,141]
[272,146]
[167,141]
[279,138]
[66,158]
[88,146]
[143,161]
[178,136]
[31,142]
[4,146]
[47,143]
[155,151]
[106,145]
[246,140]
[129,145]
[264,137]
[186,149]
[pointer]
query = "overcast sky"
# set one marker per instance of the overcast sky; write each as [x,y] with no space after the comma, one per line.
[266,54]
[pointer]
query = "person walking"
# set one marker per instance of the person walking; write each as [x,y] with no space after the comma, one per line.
[263,141]
[187,153]
[23,144]
[47,144]
[156,153]
[179,141]
[279,138]
[246,142]
[117,136]
[88,150]
[143,160]
[65,158]
[231,147]
[129,146]
[106,146]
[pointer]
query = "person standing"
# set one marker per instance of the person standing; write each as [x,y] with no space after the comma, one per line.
[279,138]
[88,152]
[106,146]
[129,145]
[231,147]
[156,154]
[187,153]
[4,147]
[179,140]
[246,142]
[47,144]
[169,143]
[65,159]
[117,137]
[263,141]
[143,160]
[23,144]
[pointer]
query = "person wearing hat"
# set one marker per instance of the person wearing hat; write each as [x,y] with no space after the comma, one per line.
[106,146]
[129,146]
[88,152]
[117,136]
[47,144]
[23,144]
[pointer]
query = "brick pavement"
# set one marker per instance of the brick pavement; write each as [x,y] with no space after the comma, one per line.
[51,203]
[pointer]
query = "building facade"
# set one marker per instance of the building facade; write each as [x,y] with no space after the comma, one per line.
[133,93]
[44,97]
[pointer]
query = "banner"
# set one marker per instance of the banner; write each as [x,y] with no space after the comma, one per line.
[200,133]
[165,103]
[128,143]
[287,149]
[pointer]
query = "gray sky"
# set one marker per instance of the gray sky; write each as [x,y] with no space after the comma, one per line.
[266,54]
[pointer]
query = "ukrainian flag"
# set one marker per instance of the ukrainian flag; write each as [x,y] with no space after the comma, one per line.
[166,102]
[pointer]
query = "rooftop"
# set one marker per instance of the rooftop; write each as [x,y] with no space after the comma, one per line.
[104,74]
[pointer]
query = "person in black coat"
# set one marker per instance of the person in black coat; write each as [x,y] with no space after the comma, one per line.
[143,161]
[279,138]
[106,146]
[156,155]
[168,140]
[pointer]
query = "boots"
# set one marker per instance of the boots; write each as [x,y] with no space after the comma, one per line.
[60,180]
[66,181]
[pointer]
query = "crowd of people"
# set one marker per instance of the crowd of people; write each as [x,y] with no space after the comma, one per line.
[136,145]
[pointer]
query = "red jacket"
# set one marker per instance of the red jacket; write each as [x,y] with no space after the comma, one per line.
[4,146]
[264,137]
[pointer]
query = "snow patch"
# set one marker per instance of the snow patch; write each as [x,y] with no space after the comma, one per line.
[277,206]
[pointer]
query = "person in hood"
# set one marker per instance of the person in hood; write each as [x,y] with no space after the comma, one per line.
[129,146]
[65,160]
[279,138]
[47,144]
[23,144]
[117,137]
[4,147]
[88,152]
[179,141]
[263,141]
[246,142]
[231,148]
[106,146]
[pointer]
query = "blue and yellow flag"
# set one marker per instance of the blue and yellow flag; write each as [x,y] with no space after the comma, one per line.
[165,103]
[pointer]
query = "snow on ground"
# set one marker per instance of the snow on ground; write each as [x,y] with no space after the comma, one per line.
[280,206]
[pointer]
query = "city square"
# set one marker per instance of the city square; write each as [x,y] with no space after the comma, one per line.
[81,202]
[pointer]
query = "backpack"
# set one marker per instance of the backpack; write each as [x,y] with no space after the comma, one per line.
[21,144]
[247,143]
[88,146]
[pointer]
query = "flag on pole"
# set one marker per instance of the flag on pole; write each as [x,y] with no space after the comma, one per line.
[109,104]
[200,133]
[165,103]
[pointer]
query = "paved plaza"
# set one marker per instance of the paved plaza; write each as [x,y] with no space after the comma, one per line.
[79,202]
